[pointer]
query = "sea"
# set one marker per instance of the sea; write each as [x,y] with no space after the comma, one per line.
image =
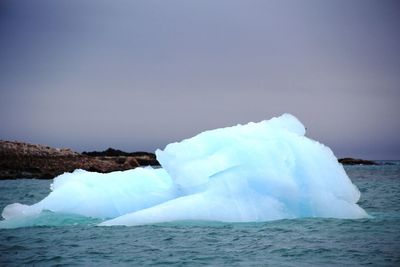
[77,241]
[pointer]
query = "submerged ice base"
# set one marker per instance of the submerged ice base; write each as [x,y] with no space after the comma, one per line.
[245,173]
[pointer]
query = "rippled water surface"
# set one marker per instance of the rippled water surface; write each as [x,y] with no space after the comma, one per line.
[76,240]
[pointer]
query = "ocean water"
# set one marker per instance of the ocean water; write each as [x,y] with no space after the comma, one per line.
[74,240]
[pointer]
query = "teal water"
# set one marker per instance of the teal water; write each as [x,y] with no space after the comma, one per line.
[75,240]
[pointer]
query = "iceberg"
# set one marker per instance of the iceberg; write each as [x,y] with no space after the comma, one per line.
[244,173]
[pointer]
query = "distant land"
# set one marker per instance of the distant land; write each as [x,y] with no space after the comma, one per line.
[24,160]
[352,161]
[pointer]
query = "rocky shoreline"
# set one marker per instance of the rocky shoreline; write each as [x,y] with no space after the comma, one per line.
[23,160]
[352,161]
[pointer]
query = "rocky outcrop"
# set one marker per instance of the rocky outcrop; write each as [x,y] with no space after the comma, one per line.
[143,158]
[351,161]
[23,160]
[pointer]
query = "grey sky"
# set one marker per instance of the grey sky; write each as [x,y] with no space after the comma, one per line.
[137,75]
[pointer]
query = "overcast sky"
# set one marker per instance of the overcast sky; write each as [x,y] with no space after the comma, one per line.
[137,75]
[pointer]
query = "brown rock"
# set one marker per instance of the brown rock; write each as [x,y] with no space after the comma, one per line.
[23,160]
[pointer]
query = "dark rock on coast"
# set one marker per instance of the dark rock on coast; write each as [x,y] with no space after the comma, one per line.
[23,160]
[143,158]
[351,161]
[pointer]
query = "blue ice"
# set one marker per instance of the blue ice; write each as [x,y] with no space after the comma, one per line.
[244,173]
